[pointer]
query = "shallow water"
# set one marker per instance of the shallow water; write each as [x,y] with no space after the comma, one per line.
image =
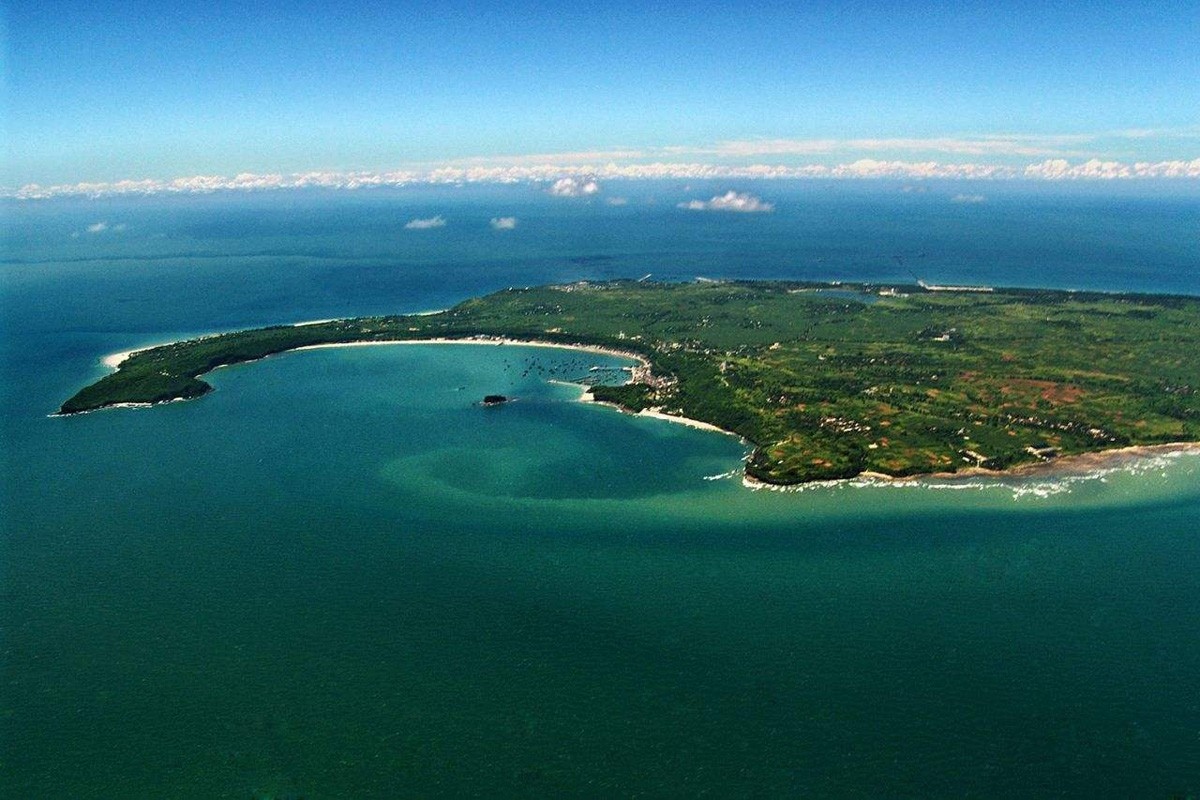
[338,575]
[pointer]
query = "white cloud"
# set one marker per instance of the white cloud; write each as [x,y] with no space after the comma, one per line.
[584,176]
[424,224]
[1095,169]
[617,201]
[730,201]
[574,187]
[503,223]
[969,199]
[97,227]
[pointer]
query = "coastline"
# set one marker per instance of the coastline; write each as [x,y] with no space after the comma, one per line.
[1074,464]
[1063,466]
[688,421]
[585,396]
[114,360]
[155,404]
[482,341]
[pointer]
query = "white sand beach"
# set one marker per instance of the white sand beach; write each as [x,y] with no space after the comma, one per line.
[114,360]
[691,423]
[493,342]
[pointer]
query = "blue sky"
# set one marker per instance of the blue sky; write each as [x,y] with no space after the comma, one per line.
[103,91]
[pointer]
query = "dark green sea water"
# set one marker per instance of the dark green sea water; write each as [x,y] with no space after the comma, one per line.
[338,576]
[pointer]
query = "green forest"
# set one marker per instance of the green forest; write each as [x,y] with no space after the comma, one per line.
[825,380]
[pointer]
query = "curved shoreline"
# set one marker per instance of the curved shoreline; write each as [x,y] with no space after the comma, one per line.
[144,383]
[585,396]
[1074,464]
[481,341]
[114,360]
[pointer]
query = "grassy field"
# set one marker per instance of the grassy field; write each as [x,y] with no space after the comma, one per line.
[826,380]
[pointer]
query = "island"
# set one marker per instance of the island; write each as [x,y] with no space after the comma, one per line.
[824,380]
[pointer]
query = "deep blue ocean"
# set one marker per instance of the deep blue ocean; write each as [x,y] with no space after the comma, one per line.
[336,576]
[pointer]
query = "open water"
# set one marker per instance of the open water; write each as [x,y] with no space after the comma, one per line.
[338,576]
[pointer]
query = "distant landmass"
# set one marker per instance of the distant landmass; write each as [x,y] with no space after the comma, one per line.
[826,380]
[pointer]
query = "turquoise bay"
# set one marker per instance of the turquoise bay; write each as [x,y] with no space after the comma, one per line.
[338,575]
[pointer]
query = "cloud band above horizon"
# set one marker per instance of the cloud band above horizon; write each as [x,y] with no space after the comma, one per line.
[585,175]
